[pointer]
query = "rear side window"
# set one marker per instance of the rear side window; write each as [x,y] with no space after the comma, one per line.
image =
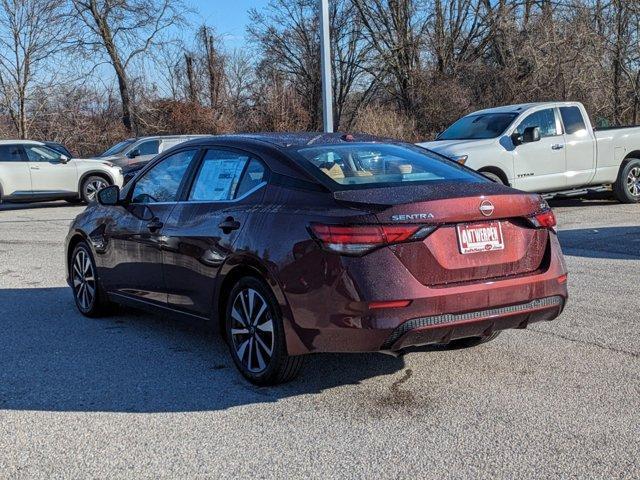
[572,120]
[219,176]
[149,148]
[11,153]
[544,119]
[371,164]
[252,178]
[162,182]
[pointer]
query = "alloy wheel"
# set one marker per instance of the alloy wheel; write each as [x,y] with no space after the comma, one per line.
[93,187]
[633,181]
[84,280]
[252,332]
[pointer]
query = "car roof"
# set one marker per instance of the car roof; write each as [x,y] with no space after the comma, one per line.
[522,107]
[287,140]
[164,137]
[22,142]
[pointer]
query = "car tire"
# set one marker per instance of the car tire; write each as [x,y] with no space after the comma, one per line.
[627,186]
[88,294]
[255,334]
[493,177]
[91,186]
[471,341]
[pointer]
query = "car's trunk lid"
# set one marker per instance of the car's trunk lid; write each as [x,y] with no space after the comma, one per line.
[482,229]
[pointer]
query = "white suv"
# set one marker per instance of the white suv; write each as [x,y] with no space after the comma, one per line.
[31,171]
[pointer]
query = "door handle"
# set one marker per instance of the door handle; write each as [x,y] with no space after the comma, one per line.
[229,224]
[34,167]
[557,146]
[155,225]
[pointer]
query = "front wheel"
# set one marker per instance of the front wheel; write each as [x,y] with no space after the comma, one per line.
[627,186]
[255,335]
[493,177]
[87,292]
[91,186]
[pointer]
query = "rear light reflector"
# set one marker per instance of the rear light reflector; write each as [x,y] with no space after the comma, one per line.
[562,278]
[545,219]
[359,239]
[389,304]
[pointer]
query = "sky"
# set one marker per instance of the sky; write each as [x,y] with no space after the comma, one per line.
[228,17]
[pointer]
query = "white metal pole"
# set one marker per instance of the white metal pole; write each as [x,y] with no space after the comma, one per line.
[325,65]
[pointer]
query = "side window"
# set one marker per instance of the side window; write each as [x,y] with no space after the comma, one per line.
[148,148]
[253,176]
[545,119]
[11,153]
[572,119]
[38,153]
[219,176]
[162,182]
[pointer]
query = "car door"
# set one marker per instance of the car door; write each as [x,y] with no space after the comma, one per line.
[50,174]
[580,147]
[15,177]
[540,166]
[202,230]
[133,258]
[143,151]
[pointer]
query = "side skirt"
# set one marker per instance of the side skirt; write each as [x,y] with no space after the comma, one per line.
[163,310]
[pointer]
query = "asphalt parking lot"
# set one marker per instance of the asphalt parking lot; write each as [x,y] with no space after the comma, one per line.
[136,395]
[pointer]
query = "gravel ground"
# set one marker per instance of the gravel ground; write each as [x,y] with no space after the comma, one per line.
[141,396]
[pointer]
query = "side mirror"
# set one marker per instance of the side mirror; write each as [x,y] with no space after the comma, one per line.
[134,153]
[531,134]
[109,196]
[64,159]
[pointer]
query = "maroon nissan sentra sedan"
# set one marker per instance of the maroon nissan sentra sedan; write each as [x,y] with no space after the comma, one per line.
[301,243]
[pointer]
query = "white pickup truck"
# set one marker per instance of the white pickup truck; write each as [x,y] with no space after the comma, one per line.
[547,147]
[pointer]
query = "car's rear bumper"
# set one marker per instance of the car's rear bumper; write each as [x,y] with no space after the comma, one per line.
[336,315]
[444,328]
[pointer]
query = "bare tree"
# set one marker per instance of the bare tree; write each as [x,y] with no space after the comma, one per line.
[122,30]
[30,36]
[396,31]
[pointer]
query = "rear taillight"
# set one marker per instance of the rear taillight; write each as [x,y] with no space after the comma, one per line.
[360,239]
[545,219]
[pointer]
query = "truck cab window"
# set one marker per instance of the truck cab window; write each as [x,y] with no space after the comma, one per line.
[545,119]
[572,120]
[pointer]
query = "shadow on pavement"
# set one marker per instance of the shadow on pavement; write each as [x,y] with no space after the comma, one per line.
[53,359]
[577,202]
[607,242]
[31,206]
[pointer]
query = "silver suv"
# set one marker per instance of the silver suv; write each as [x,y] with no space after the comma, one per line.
[33,171]
[142,149]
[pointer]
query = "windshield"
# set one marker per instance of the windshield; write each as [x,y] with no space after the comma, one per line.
[477,127]
[117,148]
[371,164]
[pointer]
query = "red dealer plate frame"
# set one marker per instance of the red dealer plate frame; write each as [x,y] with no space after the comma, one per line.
[480,237]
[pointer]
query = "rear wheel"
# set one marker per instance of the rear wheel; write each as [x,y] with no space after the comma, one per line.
[255,335]
[627,186]
[91,186]
[87,292]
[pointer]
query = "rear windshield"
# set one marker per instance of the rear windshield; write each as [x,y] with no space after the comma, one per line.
[478,127]
[370,164]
